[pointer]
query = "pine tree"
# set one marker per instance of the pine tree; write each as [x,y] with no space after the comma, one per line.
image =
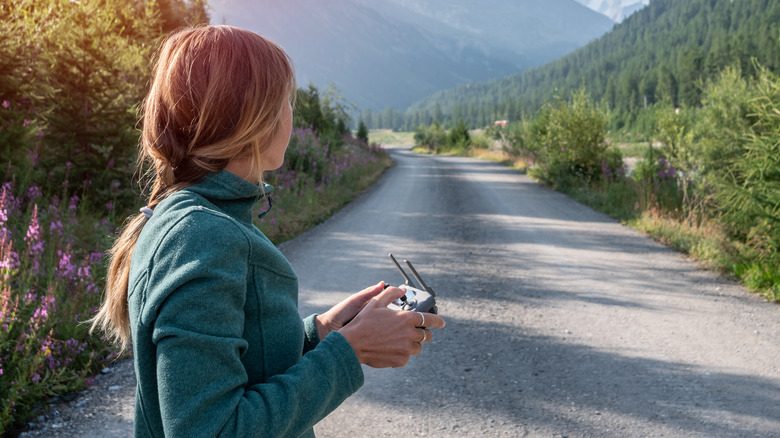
[362,132]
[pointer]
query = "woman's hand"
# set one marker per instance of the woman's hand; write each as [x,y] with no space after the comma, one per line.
[343,312]
[382,337]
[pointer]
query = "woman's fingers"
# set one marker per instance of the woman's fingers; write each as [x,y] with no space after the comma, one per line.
[389,295]
[428,320]
[425,336]
[369,292]
[340,314]
[383,337]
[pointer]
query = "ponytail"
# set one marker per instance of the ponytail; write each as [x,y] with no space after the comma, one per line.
[113,317]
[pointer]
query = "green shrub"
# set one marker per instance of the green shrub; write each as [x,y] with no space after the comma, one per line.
[572,145]
[84,66]
[748,192]
[432,137]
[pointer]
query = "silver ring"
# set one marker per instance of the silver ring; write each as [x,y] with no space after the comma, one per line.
[422,324]
[425,336]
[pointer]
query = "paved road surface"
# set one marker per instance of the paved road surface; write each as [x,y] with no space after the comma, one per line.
[561,322]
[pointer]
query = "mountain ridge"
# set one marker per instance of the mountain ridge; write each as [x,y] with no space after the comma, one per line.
[382,54]
[662,53]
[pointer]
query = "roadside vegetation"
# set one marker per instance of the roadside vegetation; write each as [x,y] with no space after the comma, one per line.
[707,183]
[74,74]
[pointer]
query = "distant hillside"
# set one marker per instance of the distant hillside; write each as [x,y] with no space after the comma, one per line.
[662,52]
[393,52]
[524,33]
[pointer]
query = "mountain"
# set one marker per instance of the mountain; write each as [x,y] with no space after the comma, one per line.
[393,52]
[616,10]
[526,32]
[662,53]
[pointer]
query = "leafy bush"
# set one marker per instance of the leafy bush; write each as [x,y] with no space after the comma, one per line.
[748,193]
[573,146]
[716,176]
[84,66]
[432,137]
[458,137]
[482,141]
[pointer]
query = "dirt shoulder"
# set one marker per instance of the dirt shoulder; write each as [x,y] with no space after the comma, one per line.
[105,409]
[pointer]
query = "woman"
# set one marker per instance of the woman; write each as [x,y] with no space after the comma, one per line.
[207,301]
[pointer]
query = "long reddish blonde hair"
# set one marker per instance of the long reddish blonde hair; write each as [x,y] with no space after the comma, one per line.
[217,93]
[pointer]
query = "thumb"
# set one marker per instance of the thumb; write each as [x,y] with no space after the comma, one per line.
[389,295]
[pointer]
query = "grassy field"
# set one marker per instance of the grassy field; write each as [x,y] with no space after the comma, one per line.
[387,136]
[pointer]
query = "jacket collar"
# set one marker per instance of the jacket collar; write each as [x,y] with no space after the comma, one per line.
[231,193]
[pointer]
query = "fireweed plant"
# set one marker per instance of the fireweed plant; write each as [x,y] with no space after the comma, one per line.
[49,285]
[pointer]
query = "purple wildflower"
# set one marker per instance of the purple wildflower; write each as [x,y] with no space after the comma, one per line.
[83,273]
[33,239]
[66,267]
[95,257]
[34,192]
[605,169]
[56,227]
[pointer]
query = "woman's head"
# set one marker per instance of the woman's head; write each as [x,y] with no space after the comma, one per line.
[218,93]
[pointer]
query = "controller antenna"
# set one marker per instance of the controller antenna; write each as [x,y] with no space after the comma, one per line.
[419,279]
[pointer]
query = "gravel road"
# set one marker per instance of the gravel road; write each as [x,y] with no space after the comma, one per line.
[560,321]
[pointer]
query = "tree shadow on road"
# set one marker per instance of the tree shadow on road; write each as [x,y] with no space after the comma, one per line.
[541,382]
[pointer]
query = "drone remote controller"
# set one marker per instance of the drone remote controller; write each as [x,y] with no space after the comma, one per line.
[421,299]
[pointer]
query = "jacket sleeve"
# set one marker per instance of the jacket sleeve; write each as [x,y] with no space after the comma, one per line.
[312,338]
[198,327]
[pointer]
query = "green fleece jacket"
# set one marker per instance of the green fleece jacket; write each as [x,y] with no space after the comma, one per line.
[220,349]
